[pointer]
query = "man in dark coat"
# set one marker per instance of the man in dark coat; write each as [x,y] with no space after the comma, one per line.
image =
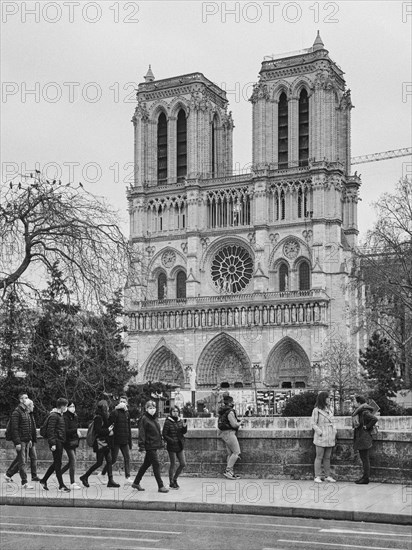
[122,435]
[14,466]
[56,437]
[21,435]
[363,421]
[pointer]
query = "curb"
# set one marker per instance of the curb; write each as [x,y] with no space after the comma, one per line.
[205,507]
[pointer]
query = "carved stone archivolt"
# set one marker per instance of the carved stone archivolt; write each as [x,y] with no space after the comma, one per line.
[287,362]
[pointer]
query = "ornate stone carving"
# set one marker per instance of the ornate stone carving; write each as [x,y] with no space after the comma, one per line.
[274,237]
[150,250]
[291,249]
[260,91]
[168,258]
[183,246]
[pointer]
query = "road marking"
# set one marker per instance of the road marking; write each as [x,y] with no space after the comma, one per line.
[340,545]
[252,524]
[379,533]
[34,533]
[102,528]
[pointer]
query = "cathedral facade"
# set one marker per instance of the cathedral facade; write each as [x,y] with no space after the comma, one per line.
[239,280]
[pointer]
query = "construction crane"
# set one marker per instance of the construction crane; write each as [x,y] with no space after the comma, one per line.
[405,152]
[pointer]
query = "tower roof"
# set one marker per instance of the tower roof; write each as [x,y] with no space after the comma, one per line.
[318,44]
[149,75]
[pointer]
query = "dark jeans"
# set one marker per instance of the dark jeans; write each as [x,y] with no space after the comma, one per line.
[57,465]
[14,466]
[126,457]
[71,465]
[364,454]
[20,461]
[150,459]
[182,463]
[102,454]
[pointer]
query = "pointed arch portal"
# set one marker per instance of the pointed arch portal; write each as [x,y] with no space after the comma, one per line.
[287,366]
[224,360]
[164,366]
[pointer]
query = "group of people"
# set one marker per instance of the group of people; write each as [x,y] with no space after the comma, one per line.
[113,434]
[324,438]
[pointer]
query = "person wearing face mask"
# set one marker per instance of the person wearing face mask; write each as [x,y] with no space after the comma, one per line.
[104,431]
[149,440]
[122,435]
[72,442]
[56,438]
[173,433]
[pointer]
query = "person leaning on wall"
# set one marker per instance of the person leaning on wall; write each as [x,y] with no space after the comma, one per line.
[363,421]
[324,437]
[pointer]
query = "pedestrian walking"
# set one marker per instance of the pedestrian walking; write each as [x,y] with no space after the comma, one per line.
[363,421]
[72,442]
[32,452]
[21,435]
[56,438]
[228,425]
[102,444]
[122,435]
[324,436]
[174,431]
[150,441]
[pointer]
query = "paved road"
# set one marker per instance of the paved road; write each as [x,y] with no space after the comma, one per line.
[88,529]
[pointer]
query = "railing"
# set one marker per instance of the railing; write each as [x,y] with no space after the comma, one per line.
[297,308]
[314,293]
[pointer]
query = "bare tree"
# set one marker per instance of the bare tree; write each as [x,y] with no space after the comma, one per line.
[43,221]
[386,272]
[339,370]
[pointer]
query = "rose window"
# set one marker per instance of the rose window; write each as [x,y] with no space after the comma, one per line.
[232,269]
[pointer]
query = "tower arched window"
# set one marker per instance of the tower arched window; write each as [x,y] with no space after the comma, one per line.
[181,285]
[161,286]
[304,276]
[214,146]
[283,278]
[283,122]
[282,205]
[181,138]
[162,148]
[303,128]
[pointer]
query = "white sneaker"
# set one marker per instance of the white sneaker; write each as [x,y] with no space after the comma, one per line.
[8,479]
[229,475]
[27,486]
[128,481]
[75,486]
[330,479]
[317,480]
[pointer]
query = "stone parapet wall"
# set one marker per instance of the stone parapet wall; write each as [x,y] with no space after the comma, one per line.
[272,448]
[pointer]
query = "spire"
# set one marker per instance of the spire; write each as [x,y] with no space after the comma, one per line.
[318,44]
[149,75]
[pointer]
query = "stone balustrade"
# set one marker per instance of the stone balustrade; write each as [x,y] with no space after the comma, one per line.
[231,311]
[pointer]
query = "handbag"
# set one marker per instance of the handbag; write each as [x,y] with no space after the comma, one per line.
[73,443]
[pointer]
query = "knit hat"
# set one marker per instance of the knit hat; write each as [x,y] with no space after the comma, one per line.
[227,399]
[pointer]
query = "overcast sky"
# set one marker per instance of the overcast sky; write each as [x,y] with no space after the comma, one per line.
[82,60]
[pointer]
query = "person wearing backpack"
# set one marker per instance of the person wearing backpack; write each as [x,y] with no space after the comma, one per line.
[103,431]
[72,442]
[56,437]
[228,425]
[363,421]
[32,453]
[122,436]
[324,437]
[21,435]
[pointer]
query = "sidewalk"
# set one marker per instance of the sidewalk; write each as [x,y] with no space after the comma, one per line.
[376,502]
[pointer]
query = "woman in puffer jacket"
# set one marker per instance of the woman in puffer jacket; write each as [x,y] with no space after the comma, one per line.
[324,437]
[174,430]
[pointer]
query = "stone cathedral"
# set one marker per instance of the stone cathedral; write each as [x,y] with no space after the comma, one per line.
[239,280]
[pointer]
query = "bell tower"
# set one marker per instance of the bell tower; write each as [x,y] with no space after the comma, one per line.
[182,130]
[301,110]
